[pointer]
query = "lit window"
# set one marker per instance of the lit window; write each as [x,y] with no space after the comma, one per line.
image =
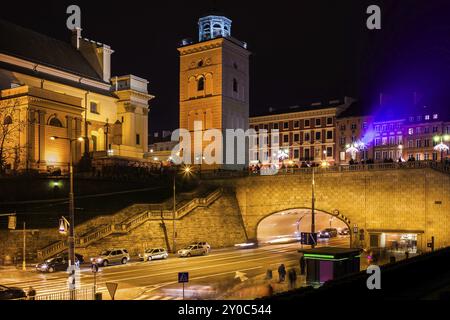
[342,156]
[411,131]
[427,117]
[317,122]
[435,116]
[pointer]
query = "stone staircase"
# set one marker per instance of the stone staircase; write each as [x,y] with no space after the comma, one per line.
[140,213]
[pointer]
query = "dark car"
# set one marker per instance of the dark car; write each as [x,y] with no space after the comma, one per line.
[58,263]
[8,293]
[328,233]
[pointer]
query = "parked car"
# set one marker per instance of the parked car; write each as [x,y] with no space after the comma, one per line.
[204,244]
[8,293]
[112,256]
[153,254]
[192,250]
[328,233]
[58,263]
[344,232]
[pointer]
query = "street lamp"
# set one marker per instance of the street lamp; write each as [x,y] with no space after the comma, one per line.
[187,170]
[442,147]
[352,149]
[71,209]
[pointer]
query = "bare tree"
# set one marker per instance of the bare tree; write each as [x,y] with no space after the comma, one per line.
[10,127]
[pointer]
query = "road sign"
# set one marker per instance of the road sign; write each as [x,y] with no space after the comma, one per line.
[308,238]
[12,221]
[183,277]
[112,287]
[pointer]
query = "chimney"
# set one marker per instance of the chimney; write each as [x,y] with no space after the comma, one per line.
[97,54]
[105,52]
[76,37]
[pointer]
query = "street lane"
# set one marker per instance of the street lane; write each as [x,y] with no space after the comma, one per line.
[218,267]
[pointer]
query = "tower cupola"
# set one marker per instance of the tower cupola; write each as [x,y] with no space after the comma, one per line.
[213,26]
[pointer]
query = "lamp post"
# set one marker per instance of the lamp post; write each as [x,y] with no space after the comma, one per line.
[442,147]
[71,208]
[313,217]
[186,171]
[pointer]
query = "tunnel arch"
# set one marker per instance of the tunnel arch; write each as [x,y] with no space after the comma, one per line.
[343,222]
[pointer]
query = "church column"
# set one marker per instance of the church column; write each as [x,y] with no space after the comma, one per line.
[42,142]
[145,129]
[31,146]
[78,134]
[129,126]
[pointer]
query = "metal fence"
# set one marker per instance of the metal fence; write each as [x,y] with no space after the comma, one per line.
[80,294]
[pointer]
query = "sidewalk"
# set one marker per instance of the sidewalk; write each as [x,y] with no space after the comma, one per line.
[258,287]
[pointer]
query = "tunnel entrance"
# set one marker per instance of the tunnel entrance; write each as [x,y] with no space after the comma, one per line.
[286,226]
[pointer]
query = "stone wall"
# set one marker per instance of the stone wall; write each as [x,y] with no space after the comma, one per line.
[415,200]
[220,225]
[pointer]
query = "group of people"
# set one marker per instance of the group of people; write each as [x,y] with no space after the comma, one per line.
[291,274]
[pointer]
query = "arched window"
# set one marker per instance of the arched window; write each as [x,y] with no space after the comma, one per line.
[54,122]
[235,85]
[201,84]
[8,120]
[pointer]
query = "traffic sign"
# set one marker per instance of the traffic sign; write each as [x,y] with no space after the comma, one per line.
[12,222]
[308,238]
[183,277]
[112,287]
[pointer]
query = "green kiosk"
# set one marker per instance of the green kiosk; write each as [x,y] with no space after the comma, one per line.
[328,263]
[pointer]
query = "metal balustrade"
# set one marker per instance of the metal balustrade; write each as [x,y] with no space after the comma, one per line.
[129,224]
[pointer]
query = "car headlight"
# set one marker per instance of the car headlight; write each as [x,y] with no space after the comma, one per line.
[44,266]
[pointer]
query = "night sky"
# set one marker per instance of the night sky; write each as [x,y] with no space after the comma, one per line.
[301,50]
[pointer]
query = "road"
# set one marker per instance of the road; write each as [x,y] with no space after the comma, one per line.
[209,276]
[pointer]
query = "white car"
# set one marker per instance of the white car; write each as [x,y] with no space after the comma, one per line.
[192,250]
[153,254]
[204,244]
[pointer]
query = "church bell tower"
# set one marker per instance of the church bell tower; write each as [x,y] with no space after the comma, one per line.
[214,83]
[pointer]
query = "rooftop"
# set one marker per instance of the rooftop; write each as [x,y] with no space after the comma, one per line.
[30,45]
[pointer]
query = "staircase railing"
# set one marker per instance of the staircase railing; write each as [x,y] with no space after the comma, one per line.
[129,224]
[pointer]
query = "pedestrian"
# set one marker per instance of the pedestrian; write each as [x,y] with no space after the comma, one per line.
[407,254]
[281,273]
[292,278]
[269,290]
[302,265]
[31,294]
